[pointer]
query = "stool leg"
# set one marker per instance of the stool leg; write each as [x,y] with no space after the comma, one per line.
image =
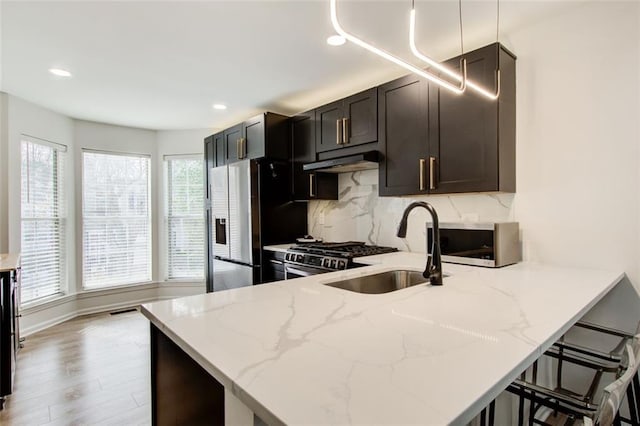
[633,402]
[492,412]
[532,407]
[520,410]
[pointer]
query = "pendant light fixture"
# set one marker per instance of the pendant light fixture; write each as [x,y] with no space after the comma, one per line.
[463,64]
[462,78]
[388,56]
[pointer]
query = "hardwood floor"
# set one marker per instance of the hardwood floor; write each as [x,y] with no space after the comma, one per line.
[90,370]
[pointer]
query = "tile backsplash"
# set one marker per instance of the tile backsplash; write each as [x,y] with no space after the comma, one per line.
[361,215]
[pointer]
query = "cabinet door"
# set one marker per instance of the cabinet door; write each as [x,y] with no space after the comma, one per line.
[403,132]
[360,111]
[254,138]
[303,151]
[464,144]
[306,185]
[329,126]
[209,162]
[232,138]
[219,146]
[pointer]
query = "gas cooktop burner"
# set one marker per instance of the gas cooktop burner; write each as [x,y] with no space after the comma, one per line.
[347,249]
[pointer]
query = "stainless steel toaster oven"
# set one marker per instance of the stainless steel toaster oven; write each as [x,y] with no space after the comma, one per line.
[492,244]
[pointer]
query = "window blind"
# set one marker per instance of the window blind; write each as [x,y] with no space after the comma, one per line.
[43,219]
[116,219]
[184,209]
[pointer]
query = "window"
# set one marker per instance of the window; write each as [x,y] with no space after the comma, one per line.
[42,219]
[116,219]
[184,209]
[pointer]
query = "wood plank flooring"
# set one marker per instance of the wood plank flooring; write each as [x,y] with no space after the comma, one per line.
[89,370]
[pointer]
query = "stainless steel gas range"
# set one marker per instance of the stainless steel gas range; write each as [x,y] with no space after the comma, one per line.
[306,259]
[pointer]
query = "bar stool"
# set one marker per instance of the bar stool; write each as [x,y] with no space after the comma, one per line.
[622,362]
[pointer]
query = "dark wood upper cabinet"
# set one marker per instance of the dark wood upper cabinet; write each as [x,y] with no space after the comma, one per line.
[348,122]
[232,140]
[433,141]
[306,185]
[214,156]
[265,135]
[254,137]
[403,132]
[220,149]
[209,163]
[473,143]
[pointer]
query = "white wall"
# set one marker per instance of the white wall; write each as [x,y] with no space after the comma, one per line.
[578,156]
[578,141]
[4,172]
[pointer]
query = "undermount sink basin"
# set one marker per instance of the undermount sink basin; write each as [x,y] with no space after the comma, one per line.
[384,282]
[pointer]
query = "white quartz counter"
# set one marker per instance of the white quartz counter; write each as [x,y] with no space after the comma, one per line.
[300,352]
[9,262]
[278,247]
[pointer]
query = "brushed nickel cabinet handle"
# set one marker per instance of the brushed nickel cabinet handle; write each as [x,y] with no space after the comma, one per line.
[311,192]
[432,172]
[238,149]
[338,132]
[345,130]
[423,165]
[243,147]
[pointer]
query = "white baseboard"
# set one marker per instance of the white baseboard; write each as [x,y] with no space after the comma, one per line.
[71,306]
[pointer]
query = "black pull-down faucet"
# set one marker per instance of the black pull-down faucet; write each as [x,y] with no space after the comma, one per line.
[433,271]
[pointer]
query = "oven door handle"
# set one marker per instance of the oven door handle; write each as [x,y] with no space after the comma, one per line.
[299,270]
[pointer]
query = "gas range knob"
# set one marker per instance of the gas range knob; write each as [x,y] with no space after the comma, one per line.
[342,264]
[334,264]
[300,258]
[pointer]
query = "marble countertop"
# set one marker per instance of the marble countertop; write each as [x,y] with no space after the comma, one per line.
[278,247]
[298,351]
[9,262]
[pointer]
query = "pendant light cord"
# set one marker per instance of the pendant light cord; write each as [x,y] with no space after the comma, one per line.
[461,38]
[497,21]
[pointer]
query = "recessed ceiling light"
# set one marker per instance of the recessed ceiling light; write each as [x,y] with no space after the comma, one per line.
[336,40]
[59,72]
[219,106]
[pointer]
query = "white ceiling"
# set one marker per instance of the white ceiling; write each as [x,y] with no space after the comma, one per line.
[161,65]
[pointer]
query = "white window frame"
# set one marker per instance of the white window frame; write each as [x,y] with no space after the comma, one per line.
[61,217]
[149,218]
[166,217]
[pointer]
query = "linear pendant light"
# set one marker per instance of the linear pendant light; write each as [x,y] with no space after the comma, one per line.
[388,56]
[444,69]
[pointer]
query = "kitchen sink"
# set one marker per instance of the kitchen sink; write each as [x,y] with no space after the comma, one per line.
[384,282]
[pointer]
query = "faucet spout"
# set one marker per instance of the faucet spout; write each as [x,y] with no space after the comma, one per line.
[433,270]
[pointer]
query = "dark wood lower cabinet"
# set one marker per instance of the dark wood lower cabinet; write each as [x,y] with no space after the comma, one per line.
[9,330]
[273,269]
[182,392]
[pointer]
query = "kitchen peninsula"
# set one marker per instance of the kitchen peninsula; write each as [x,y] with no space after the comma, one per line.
[298,351]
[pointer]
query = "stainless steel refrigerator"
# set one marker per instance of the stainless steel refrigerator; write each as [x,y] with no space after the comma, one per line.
[250,208]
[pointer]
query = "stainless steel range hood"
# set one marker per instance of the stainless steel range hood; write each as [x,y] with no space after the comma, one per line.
[350,163]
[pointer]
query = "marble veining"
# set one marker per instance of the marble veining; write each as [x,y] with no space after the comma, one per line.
[361,215]
[300,352]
